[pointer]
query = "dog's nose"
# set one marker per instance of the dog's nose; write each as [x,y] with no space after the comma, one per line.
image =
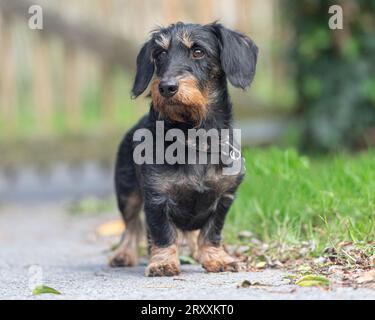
[168,88]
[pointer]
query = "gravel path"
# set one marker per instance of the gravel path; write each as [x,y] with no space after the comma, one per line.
[70,258]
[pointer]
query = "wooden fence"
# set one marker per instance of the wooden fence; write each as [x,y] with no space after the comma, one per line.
[75,74]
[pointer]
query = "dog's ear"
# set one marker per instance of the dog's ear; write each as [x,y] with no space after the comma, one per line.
[238,56]
[145,70]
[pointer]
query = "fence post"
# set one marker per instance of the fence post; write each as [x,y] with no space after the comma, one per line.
[71,89]
[108,104]
[206,11]
[243,8]
[8,85]
[43,101]
[172,10]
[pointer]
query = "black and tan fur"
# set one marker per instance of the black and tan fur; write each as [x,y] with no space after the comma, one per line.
[194,198]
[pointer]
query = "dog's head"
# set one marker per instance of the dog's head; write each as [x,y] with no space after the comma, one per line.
[190,61]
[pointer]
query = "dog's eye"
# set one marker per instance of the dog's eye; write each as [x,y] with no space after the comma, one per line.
[160,54]
[198,53]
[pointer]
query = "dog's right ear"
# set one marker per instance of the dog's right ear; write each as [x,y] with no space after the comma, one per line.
[145,70]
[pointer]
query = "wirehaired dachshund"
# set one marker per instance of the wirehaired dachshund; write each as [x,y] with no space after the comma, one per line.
[187,67]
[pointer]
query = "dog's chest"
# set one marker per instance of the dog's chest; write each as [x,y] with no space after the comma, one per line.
[191,195]
[198,179]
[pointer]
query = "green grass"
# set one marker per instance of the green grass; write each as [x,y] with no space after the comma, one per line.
[288,198]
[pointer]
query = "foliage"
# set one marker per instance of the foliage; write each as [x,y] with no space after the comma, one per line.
[313,281]
[335,73]
[42,289]
[287,198]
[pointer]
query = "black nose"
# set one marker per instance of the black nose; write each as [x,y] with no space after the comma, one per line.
[168,88]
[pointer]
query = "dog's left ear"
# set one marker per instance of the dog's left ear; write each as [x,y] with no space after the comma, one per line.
[238,56]
[145,70]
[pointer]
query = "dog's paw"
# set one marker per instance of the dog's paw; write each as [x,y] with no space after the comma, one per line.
[164,262]
[123,259]
[215,259]
[162,269]
[222,266]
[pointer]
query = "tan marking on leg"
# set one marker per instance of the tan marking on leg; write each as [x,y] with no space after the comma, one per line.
[192,241]
[163,262]
[126,255]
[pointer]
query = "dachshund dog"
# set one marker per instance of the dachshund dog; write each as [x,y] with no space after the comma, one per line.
[188,66]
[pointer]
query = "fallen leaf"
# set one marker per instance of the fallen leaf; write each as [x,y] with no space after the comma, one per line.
[187,260]
[366,277]
[313,281]
[111,228]
[42,289]
[261,265]
[247,284]
[344,243]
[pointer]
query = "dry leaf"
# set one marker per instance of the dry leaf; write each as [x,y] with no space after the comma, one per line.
[244,284]
[247,284]
[111,228]
[344,243]
[261,265]
[366,277]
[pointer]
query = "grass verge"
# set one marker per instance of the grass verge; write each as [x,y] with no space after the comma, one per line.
[314,204]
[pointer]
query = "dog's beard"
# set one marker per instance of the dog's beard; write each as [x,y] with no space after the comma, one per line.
[189,104]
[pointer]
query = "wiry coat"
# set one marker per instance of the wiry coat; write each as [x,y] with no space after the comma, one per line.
[182,196]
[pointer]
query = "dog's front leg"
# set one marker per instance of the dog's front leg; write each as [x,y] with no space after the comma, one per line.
[212,255]
[164,260]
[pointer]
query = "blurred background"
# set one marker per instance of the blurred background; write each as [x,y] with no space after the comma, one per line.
[65,90]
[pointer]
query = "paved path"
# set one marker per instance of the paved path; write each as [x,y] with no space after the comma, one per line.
[73,261]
